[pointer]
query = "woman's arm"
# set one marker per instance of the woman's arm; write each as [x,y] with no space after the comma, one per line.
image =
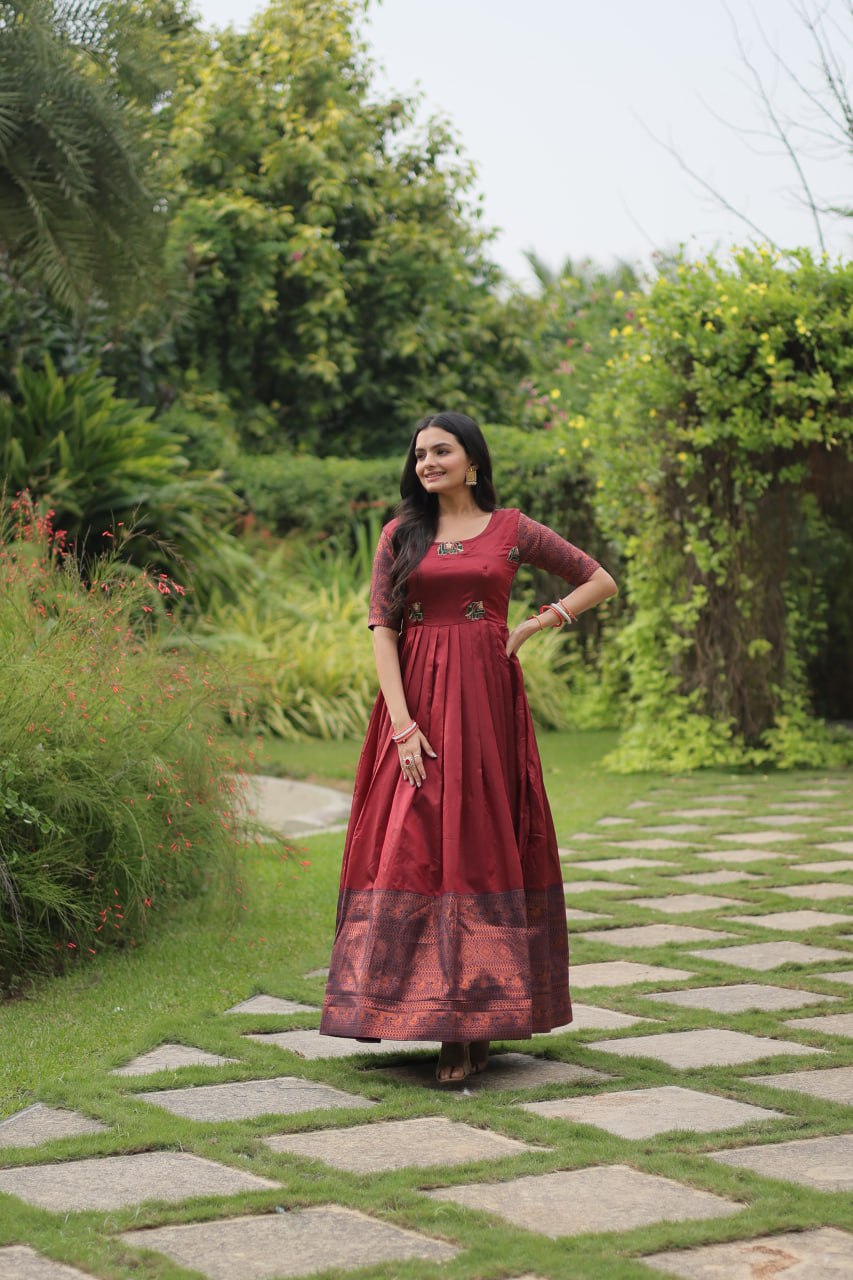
[387,658]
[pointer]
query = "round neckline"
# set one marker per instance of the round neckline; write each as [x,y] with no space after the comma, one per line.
[443,542]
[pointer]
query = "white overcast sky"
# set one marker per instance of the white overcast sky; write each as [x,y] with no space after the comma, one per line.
[555,102]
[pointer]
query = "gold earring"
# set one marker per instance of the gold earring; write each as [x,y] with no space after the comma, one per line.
[471,476]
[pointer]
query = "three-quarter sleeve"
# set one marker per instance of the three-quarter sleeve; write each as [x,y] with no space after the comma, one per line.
[542,547]
[381,613]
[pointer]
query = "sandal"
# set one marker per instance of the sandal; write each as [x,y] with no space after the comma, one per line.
[453,1058]
[478,1053]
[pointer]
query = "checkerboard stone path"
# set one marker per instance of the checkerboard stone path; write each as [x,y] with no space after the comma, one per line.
[738,1058]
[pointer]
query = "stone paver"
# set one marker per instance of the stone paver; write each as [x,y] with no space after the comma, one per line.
[622,973]
[831,1024]
[673,829]
[399,1144]
[838,846]
[770,955]
[113,1182]
[38,1123]
[783,819]
[271,1004]
[833,867]
[701,813]
[795,921]
[653,843]
[18,1262]
[613,822]
[680,904]
[281,1096]
[843,975]
[643,1113]
[758,837]
[505,1071]
[601,1198]
[575,913]
[799,807]
[827,890]
[820,1254]
[170,1057]
[589,1017]
[591,886]
[824,1163]
[640,804]
[296,808]
[619,864]
[716,877]
[310,1044]
[741,855]
[653,935]
[740,998]
[817,793]
[832,1084]
[714,1047]
[301,1242]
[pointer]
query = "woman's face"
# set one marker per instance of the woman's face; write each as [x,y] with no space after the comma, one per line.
[440,460]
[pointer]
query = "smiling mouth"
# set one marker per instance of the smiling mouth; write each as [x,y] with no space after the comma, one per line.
[433,475]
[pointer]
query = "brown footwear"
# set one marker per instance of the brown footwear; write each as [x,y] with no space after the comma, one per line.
[478,1052]
[454,1064]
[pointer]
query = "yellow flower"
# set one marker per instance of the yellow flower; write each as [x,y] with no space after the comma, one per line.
[682,456]
[585,443]
[771,359]
[801,327]
[653,413]
[676,334]
[599,484]
[645,357]
[561,452]
[614,333]
[709,325]
[619,295]
[765,337]
[627,331]
[733,311]
[555,393]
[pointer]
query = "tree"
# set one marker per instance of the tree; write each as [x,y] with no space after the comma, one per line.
[78,82]
[336,267]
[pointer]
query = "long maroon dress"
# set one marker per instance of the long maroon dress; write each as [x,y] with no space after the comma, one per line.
[451,920]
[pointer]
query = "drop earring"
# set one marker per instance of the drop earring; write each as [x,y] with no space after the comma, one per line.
[471,476]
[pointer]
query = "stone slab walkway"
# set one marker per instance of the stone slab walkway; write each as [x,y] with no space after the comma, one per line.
[680,1053]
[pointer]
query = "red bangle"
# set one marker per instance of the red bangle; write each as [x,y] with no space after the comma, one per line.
[546,608]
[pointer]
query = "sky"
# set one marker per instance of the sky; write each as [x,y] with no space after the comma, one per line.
[580,116]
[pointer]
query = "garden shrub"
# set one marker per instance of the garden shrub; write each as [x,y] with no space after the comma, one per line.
[729,403]
[100,461]
[116,798]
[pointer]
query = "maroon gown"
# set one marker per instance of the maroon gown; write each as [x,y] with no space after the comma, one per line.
[451,921]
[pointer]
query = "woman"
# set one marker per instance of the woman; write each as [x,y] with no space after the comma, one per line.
[451,917]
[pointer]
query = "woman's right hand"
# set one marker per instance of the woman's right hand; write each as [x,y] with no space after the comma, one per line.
[411,753]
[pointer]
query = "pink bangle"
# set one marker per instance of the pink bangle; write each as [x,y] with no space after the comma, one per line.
[550,608]
[404,733]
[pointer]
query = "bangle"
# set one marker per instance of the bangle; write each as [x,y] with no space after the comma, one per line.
[562,611]
[404,733]
[533,618]
[550,608]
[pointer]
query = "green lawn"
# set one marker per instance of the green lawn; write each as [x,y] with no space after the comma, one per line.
[59,1044]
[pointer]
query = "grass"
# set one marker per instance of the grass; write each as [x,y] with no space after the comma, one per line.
[60,1044]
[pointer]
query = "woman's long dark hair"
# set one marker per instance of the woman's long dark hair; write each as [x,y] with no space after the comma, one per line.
[418,510]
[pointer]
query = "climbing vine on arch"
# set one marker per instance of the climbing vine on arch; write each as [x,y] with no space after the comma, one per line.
[724,451]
